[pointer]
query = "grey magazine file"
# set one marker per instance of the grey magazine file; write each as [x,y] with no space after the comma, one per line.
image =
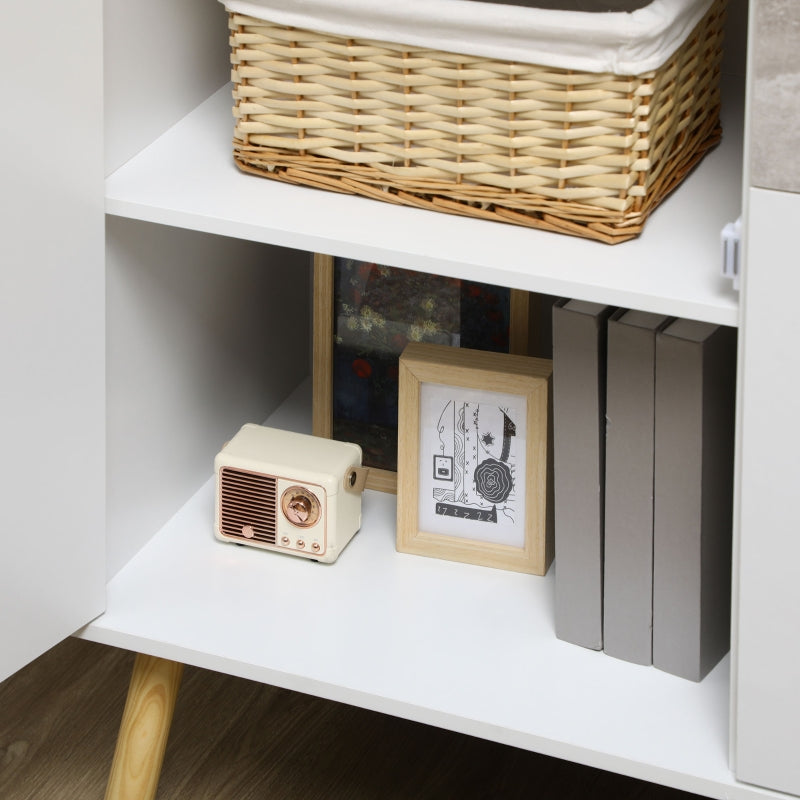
[579,364]
[630,443]
[693,512]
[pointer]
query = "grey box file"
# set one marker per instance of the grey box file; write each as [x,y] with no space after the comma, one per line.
[579,369]
[630,446]
[693,511]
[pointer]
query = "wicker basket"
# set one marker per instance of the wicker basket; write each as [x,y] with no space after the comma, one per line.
[575,152]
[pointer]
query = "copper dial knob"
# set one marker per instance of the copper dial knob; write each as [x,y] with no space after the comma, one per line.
[300,506]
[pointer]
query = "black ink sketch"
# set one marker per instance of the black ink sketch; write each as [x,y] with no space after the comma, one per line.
[475,455]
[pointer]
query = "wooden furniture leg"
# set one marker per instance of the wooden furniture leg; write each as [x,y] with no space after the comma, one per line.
[144,729]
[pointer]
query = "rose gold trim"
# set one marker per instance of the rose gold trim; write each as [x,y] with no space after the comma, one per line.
[321,534]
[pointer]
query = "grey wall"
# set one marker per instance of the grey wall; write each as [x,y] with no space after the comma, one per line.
[775,96]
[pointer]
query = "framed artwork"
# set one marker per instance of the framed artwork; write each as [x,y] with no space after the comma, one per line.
[365,314]
[475,457]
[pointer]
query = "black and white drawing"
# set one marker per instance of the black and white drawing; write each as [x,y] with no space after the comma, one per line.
[472,464]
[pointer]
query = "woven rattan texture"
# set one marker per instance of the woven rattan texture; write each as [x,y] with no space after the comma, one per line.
[580,153]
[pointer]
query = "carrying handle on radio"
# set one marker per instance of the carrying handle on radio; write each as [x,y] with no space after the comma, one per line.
[355,479]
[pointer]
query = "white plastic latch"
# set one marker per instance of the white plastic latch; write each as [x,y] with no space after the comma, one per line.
[732,251]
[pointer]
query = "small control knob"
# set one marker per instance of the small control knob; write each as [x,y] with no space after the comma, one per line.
[300,506]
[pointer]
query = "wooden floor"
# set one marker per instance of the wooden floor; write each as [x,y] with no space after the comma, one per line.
[233,739]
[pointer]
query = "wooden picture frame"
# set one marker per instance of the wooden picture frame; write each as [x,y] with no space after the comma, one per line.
[524,332]
[475,458]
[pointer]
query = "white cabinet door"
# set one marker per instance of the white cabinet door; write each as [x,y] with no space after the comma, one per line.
[52,565]
[768,682]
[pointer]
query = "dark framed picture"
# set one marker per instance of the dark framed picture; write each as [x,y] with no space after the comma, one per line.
[475,458]
[364,316]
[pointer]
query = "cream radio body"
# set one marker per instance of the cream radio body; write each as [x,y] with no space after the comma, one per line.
[288,492]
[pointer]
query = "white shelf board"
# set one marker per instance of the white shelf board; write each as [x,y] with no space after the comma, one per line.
[466,648]
[187,179]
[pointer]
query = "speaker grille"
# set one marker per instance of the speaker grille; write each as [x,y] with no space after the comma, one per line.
[248,505]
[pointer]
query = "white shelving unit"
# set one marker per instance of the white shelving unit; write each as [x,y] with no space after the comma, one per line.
[462,647]
[200,264]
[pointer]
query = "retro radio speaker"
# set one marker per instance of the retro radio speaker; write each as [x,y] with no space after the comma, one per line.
[288,492]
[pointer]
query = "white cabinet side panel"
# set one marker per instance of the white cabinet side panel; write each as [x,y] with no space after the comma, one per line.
[205,333]
[161,60]
[51,325]
[767,698]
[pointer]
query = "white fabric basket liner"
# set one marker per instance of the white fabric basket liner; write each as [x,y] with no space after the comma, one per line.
[622,43]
